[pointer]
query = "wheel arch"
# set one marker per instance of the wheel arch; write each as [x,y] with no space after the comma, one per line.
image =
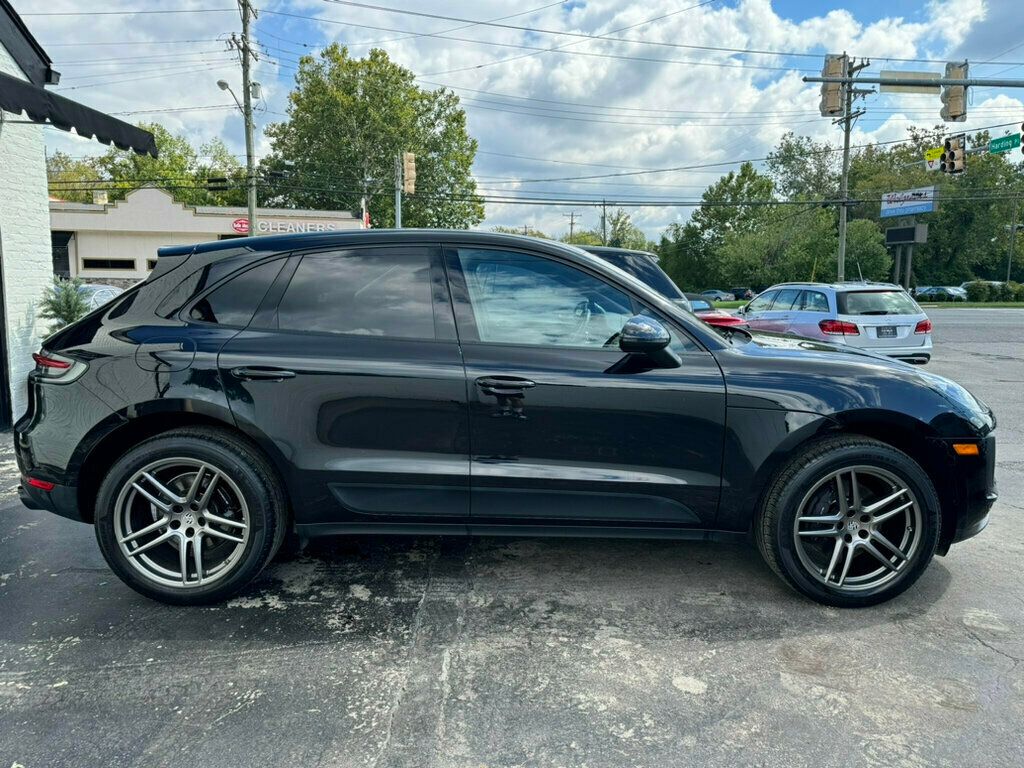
[148,420]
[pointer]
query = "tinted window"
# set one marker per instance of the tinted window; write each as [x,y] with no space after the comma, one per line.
[367,292]
[786,299]
[762,302]
[645,269]
[235,302]
[892,302]
[814,301]
[522,299]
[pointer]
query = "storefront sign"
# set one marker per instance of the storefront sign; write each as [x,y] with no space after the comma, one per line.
[265,227]
[909,202]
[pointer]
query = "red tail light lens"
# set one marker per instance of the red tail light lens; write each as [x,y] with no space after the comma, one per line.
[838,328]
[925,326]
[52,363]
[43,485]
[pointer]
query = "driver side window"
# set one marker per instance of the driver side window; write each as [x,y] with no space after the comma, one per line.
[517,298]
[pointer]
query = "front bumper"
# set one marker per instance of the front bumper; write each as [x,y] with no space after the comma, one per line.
[970,490]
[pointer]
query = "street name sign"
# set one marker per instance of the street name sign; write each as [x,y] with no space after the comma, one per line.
[1003,144]
[924,77]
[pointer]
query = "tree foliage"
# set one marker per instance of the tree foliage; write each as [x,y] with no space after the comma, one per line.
[348,119]
[179,168]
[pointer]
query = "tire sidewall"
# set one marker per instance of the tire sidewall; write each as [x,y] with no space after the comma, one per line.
[262,517]
[870,455]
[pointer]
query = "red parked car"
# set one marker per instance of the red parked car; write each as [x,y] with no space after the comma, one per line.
[703,309]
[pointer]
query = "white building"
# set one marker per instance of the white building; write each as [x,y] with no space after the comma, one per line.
[117,242]
[26,266]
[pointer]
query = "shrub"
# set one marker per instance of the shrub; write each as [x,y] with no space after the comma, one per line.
[1016,291]
[979,290]
[63,303]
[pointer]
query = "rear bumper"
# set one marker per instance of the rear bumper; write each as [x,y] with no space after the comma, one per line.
[920,353]
[61,500]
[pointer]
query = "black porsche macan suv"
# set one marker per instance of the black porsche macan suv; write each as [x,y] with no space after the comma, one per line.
[469,383]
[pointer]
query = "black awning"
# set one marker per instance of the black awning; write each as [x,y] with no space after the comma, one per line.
[41,106]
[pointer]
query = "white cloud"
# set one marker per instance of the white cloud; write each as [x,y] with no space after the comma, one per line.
[628,113]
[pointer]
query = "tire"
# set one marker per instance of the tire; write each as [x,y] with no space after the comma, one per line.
[214,502]
[814,561]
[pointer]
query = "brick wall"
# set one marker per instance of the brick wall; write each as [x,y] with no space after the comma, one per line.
[24,241]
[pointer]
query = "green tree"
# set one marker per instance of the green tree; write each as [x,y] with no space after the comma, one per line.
[803,169]
[724,207]
[528,231]
[179,168]
[623,233]
[584,237]
[348,121]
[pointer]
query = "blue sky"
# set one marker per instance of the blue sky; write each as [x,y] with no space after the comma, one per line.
[597,106]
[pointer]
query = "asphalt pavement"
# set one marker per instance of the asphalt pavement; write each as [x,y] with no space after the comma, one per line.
[527,652]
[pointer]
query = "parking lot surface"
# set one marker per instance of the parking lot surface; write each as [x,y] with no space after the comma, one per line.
[521,652]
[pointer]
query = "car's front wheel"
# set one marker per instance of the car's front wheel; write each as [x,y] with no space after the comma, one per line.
[190,516]
[850,521]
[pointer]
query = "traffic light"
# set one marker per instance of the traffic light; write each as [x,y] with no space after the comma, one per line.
[408,173]
[954,158]
[954,97]
[833,95]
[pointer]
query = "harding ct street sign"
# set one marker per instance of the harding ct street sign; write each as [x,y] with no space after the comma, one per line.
[1004,144]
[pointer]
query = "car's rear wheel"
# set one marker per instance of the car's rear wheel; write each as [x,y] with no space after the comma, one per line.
[850,522]
[190,516]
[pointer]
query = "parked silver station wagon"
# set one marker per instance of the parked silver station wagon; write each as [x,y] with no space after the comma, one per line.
[880,317]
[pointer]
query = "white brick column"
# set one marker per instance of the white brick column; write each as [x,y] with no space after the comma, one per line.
[24,241]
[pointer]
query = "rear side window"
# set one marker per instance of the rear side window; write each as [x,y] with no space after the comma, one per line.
[885,302]
[235,302]
[367,292]
[645,269]
[813,301]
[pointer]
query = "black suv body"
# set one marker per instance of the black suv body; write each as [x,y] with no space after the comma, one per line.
[473,383]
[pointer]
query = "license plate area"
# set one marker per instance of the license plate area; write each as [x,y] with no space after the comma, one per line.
[886,332]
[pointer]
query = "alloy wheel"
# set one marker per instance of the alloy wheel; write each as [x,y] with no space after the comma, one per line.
[858,528]
[181,522]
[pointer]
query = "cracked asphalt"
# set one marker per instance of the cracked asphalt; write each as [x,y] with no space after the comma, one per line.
[525,652]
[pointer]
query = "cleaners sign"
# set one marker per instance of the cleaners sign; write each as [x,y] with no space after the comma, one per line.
[264,227]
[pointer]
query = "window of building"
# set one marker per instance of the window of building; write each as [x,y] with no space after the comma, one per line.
[370,292]
[150,264]
[126,264]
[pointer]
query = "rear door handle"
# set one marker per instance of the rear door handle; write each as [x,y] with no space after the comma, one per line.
[508,386]
[262,374]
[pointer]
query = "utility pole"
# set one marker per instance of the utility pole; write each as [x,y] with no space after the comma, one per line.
[844,180]
[571,216]
[1013,237]
[398,191]
[604,222]
[248,12]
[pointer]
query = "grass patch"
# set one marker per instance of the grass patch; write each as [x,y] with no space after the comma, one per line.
[974,305]
[729,304]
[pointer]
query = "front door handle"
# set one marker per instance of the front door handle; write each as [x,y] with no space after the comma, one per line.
[261,374]
[504,386]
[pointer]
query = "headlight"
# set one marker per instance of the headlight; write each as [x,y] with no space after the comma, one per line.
[962,400]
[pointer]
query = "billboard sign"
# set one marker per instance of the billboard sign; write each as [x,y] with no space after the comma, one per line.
[909,202]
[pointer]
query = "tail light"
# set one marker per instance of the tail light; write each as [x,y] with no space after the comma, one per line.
[924,326]
[57,368]
[839,328]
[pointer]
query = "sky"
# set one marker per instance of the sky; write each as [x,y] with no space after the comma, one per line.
[546,105]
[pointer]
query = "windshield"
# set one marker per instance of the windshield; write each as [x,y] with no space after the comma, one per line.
[700,305]
[644,269]
[885,302]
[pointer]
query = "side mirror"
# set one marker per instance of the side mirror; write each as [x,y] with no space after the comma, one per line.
[742,310]
[645,337]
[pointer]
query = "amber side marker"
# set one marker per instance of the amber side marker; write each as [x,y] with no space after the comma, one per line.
[966,449]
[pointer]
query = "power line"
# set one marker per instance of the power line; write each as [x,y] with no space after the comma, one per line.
[130,12]
[138,79]
[583,35]
[128,42]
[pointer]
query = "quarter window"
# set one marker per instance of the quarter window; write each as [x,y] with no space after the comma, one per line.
[367,292]
[517,298]
[234,302]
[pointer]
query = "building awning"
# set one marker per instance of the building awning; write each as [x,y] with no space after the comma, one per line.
[42,106]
